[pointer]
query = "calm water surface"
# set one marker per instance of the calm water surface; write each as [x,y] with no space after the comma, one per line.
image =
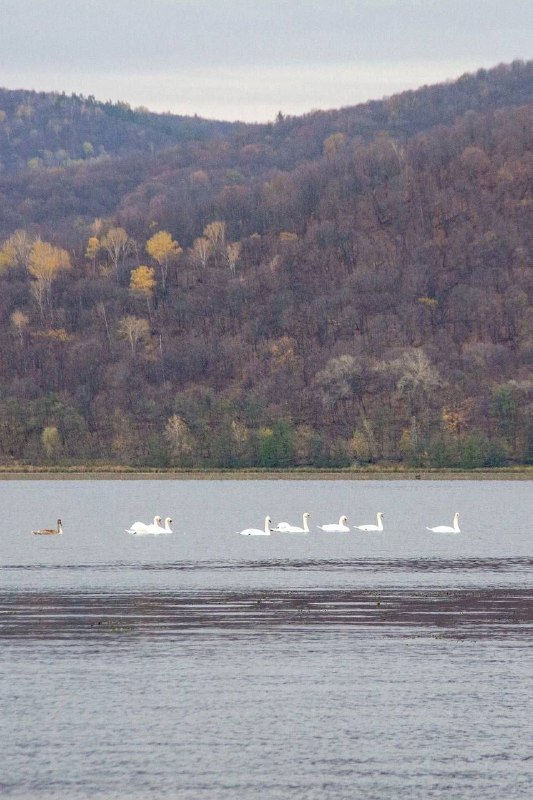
[208,666]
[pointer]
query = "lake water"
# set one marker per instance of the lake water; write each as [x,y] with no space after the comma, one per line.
[204,665]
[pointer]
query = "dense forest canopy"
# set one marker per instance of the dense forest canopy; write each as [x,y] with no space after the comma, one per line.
[342,288]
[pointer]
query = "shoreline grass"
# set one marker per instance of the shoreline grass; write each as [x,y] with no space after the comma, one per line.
[107,472]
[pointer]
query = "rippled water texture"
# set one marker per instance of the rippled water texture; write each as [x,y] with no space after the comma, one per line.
[204,665]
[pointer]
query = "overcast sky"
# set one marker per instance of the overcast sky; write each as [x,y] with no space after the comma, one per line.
[248,59]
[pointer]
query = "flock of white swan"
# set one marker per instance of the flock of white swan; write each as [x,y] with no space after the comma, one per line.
[337,527]
[156,527]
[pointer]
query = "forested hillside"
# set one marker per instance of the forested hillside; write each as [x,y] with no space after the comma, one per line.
[39,129]
[351,286]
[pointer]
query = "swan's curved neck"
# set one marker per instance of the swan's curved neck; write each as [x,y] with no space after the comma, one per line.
[305,525]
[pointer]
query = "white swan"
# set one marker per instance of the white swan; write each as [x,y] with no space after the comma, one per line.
[447,528]
[378,527]
[49,531]
[258,531]
[141,527]
[160,528]
[334,528]
[285,527]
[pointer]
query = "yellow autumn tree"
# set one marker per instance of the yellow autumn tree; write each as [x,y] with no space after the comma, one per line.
[7,256]
[163,249]
[142,284]
[45,262]
[93,248]
[142,280]
[15,251]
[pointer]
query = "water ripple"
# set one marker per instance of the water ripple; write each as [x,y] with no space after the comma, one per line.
[495,612]
[406,565]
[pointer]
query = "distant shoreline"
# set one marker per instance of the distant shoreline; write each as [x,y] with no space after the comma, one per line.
[129,473]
